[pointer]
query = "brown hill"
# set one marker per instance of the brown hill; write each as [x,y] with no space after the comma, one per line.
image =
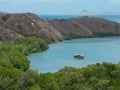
[100,24]
[86,26]
[17,25]
[28,24]
[70,26]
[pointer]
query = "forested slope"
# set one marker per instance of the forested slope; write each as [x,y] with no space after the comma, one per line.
[14,65]
[103,76]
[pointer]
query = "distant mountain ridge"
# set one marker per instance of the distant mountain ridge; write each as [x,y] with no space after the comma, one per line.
[17,25]
[86,26]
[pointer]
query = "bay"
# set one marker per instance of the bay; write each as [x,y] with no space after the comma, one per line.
[95,50]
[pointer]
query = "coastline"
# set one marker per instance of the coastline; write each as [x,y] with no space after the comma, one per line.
[56,52]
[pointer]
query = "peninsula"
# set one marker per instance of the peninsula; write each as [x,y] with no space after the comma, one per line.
[13,26]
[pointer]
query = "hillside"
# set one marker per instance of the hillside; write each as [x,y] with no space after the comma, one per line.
[27,24]
[13,26]
[86,26]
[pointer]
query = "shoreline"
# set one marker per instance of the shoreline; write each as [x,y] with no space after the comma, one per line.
[103,38]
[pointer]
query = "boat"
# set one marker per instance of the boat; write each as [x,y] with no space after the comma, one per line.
[79,56]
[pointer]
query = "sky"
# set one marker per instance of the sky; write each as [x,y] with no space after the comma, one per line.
[61,7]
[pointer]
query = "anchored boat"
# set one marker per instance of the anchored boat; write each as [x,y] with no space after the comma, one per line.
[79,56]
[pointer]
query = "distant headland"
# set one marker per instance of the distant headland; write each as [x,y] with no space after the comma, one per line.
[13,26]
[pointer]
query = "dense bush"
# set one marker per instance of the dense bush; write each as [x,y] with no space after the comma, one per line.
[70,36]
[14,65]
[103,34]
[13,54]
[93,77]
[4,18]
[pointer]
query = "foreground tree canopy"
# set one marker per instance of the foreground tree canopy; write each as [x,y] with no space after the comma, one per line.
[16,75]
[103,76]
[14,65]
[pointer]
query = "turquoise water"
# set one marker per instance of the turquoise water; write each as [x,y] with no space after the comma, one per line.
[95,50]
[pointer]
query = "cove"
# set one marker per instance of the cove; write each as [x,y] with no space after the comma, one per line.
[95,50]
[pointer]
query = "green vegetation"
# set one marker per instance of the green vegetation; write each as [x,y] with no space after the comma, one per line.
[95,34]
[14,65]
[103,76]
[4,18]
[70,36]
[16,75]
[103,34]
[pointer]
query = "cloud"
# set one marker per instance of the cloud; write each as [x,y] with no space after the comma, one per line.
[55,1]
[115,1]
[86,12]
[35,1]
[111,13]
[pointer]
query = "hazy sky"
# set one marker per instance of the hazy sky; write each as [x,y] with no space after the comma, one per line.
[61,6]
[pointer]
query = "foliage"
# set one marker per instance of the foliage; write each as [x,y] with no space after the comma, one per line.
[93,77]
[103,34]
[70,36]
[31,45]
[4,18]
[14,65]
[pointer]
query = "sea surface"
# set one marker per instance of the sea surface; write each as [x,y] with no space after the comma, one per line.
[109,17]
[95,50]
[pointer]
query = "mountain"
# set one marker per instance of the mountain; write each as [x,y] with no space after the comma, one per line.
[86,26]
[28,24]
[13,26]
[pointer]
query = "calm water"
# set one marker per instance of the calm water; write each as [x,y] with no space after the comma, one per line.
[109,17]
[95,50]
